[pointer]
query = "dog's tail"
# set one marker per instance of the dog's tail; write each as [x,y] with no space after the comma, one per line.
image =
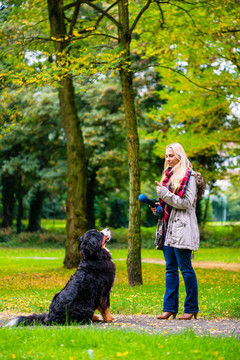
[34,319]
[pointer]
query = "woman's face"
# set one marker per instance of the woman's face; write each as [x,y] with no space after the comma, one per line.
[170,157]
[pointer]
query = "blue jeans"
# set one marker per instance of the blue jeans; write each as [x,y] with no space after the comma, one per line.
[179,258]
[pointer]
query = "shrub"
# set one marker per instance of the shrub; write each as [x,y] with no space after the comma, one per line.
[9,238]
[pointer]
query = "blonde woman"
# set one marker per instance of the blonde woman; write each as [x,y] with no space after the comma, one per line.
[177,232]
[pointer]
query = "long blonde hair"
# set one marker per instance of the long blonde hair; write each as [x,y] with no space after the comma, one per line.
[179,170]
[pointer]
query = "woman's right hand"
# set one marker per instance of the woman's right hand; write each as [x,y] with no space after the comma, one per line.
[154,210]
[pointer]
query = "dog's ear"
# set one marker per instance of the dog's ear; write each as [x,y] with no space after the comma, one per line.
[91,243]
[93,246]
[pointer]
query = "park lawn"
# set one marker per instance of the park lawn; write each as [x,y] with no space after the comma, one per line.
[227,255]
[30,278]
[74,343]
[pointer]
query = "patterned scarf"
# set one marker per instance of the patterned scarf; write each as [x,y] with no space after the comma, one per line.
[180,192]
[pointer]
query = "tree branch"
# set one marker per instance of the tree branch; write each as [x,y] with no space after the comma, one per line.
[69,5]
[230,31]
[139,16]
[162,15]
[104,12]
[92,34]
[74,18]
[88,33]
[102,16]
[194,23]
[180,73]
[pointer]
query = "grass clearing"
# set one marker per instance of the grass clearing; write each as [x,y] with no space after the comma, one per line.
[228,255]
[73,343]
[30,278]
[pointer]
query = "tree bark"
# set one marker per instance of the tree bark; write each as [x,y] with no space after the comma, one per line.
[8,199]
[76,159]
[204,218]
[90,198]
[126,74]
[77,174]
[34,220]
[20,204]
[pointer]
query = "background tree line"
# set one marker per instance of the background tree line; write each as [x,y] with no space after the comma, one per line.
[178,66]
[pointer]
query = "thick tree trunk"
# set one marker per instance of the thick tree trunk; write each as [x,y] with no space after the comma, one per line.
[77,169]
[8,200]
[34,220]
[77,174]
[134,234]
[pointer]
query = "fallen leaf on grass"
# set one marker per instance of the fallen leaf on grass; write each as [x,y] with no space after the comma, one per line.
[122,354]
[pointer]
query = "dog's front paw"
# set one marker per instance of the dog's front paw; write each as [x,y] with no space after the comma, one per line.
[109,319]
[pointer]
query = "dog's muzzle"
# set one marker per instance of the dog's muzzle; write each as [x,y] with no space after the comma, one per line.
[107,233]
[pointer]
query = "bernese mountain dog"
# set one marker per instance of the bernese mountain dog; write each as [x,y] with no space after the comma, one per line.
[86,291]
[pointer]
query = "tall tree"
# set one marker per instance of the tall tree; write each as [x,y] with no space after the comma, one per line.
[76,159]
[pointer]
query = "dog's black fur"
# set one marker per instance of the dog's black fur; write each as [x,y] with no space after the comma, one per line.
[87,290]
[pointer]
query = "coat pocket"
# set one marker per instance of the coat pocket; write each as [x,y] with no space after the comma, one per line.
[178,229]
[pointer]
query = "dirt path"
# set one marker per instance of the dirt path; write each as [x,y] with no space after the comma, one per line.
[202,264]
[149,323]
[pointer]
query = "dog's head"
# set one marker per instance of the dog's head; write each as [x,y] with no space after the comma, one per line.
[93,241]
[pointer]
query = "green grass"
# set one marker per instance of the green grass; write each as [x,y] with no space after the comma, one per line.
[73,343]
[29,280]
[228,255]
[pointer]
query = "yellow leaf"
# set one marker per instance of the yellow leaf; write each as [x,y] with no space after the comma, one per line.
[122,354]
[75,33]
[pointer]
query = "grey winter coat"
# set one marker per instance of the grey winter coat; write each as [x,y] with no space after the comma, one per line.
[182,228]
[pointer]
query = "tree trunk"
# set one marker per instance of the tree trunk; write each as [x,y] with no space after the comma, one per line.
[90,199]
[34,220]
[8,200]
[77,174]
[134,232]
[20,205]
[204,218]
[77,169]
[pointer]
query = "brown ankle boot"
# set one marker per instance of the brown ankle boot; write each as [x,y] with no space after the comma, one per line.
[186,316]
[166,315]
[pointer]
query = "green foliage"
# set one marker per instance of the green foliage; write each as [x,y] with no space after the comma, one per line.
[118,216]
[9,238]
[185,60]
[32,154]
[53,235]
[233,200]
[101,113]
[214,236]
